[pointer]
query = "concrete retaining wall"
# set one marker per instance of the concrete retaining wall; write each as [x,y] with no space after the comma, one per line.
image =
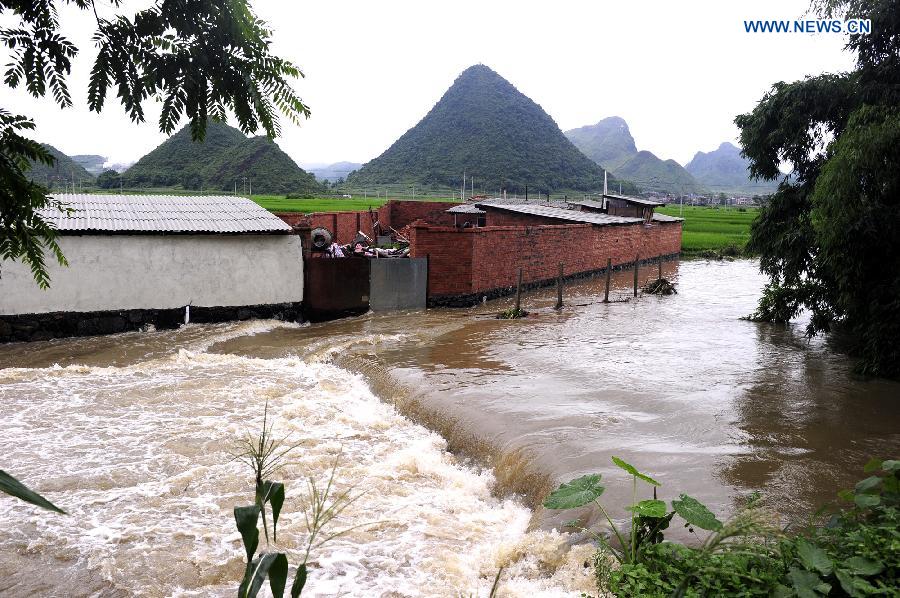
[398,284]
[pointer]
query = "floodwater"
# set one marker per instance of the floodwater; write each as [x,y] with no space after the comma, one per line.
[133,434]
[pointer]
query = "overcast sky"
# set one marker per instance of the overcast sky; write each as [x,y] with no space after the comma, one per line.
[677,72]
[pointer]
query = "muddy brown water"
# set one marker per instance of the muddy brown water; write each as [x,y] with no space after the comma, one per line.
[130,432]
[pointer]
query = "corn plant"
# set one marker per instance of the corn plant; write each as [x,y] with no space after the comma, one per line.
[265,454]
[13,487]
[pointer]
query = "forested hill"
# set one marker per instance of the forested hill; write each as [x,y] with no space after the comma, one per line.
[725,170]
[224,159]
[609,143]
[485,127]
[64,171]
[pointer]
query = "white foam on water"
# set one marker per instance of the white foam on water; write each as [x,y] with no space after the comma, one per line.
[140,457]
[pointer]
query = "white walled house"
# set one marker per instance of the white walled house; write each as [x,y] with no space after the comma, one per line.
[136,260]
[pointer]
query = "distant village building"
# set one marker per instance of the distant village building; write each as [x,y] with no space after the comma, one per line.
[139,260]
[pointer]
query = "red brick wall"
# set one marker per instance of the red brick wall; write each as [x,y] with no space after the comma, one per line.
[449,252]
[400,213]
[479,260]
[344,225]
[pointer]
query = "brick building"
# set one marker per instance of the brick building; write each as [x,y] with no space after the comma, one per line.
[476,250]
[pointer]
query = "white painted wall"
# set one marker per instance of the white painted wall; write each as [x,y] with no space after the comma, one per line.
[115,272]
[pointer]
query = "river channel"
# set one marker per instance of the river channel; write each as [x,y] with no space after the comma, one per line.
[450,425]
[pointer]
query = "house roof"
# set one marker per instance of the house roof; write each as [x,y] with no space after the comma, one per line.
[466,208]
[665,218]
[563,214]
[635,200]
[162,214]
[588,203]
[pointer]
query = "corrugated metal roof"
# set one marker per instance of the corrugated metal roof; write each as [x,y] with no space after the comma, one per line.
[666,218]
[588,203]
[637,200]
[563,214]
[162,214]
[466,209]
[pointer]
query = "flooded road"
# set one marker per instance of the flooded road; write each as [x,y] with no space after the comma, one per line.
[132,435]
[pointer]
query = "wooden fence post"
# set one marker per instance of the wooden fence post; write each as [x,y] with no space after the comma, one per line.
[636,268]
[559,289]
[608,277]
[660,270]
[519,293]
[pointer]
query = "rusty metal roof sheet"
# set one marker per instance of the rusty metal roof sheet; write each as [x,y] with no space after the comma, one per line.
[162,214]
[563,214]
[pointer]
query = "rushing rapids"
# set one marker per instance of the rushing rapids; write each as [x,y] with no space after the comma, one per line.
[140,455]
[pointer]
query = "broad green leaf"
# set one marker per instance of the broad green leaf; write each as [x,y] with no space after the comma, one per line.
[246,518]
[891,465]
[863,566]
[649,508]
[866,500]
[276,499]
[256,575]
[873,465]
[576,493]
[814,558]
[278,575]
[867,485]
[807,584]
[633,471]
[696,513]
[14,487]
[856,587]
[299,581]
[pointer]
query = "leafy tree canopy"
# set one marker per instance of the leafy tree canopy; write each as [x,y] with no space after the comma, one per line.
[829,239]
[202,60]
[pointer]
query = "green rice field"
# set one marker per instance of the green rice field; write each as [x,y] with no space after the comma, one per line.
[711,229]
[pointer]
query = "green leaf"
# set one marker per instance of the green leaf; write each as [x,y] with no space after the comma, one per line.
[633,471]
[867,485]
[276,499]
[863,566]
[856,587]
[649,508]
[246,518]
[299,581]
[576,493]
[807,584]
[865,501]
[873,465]
[891,465]
[256,574]
[278,575]
[14,487]
[814,558]
[696,513]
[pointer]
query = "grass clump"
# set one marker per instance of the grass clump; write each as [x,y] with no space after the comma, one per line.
[855,553]
[512,313]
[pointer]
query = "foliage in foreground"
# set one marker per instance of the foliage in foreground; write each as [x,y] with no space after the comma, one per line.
[13,487]
[829,238]
[856,553]
[322,505]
